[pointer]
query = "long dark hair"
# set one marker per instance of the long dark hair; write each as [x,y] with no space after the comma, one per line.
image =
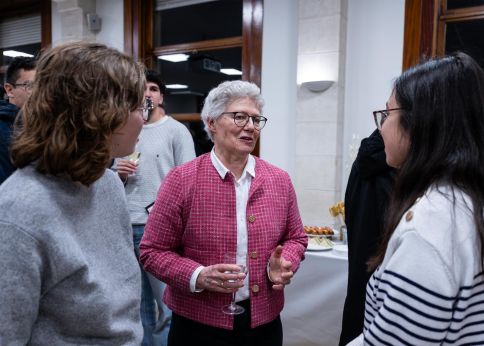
[442,103]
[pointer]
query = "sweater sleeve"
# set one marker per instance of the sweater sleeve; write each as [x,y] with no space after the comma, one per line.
[410,300]
[20,284]
[184,149]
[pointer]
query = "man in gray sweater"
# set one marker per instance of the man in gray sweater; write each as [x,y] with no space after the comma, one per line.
[164,143]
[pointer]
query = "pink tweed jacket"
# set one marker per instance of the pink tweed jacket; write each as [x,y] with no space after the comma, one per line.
[193,223]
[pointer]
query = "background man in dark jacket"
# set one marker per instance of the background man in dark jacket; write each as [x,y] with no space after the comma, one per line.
[367,192]
[18,85]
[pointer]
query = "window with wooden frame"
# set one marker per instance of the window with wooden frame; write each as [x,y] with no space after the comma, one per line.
[438,27]
[25,27]
[211,37]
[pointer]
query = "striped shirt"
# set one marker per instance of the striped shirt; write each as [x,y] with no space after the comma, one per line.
[429,290]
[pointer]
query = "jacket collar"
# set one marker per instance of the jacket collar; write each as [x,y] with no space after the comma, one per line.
[222,170]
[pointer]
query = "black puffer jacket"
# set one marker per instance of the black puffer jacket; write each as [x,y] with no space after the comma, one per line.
[8,112]
[366,197]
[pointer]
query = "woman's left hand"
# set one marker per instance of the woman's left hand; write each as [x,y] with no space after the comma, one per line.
[280,272]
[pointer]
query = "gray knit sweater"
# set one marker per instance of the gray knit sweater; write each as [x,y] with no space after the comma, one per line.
[68,273]
[163,145]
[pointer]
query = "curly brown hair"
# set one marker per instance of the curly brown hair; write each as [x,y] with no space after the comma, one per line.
[82,93]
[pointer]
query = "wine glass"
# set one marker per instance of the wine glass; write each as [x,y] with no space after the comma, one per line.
[241,261]
[134,158]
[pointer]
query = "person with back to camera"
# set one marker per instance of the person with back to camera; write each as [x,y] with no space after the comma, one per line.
[428,285]
[18,86]
[68,272]
[164,143]
[366,198]
[226,202]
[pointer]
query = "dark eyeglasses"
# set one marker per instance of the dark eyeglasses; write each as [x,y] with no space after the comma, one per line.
[241,119]
[26,85]
[380,116]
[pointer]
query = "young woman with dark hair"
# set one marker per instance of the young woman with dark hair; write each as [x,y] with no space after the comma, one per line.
[428,285]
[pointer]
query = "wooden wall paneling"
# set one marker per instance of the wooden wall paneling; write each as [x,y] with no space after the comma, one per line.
[419,33]
[46,24]
[411,36]
[222,43]
[138,30]
[430,12]
[463,14]
[147,25]
[186,116]
[441,29]
[252,18]
[128,27]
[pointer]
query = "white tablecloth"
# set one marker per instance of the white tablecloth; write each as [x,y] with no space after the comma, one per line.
[314,301]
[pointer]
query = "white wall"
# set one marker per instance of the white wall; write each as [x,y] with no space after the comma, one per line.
[112,14]
[374,60]
[110,11]
[279,85]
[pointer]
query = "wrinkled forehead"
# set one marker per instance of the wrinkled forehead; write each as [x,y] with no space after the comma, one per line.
[242,104]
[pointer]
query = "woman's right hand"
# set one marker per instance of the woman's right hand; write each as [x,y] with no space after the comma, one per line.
[222,278]
[125,168]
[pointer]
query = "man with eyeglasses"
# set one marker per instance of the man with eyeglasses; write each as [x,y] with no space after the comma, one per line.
[18,85]
[163,144]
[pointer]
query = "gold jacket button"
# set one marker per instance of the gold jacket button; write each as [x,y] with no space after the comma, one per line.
[255,288]
[251,218]
[253,254]
[409,216]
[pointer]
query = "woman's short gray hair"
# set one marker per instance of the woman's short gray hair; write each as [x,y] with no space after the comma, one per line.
[225,93]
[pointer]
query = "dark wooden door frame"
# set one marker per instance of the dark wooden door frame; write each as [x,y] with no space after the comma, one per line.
[42,7]
[425,26]
[138,41]
[138,37]
[419,31]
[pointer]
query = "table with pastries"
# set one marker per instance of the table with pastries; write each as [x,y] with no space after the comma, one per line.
[314,300]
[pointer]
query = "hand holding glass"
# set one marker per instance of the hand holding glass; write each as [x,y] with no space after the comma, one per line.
[232,308]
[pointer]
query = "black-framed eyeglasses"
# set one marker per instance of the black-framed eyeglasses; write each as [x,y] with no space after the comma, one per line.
[241,119]
[26,85]
[380,116]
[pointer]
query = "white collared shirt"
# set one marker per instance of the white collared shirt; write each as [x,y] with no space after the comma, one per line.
[242,187]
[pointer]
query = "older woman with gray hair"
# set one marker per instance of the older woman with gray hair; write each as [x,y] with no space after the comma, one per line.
[214,217]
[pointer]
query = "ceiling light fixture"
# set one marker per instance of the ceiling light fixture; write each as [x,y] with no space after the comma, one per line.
[14,54]
[174,57]
[176,86]
[231,71]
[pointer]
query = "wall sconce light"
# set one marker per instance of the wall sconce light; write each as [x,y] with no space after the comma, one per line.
[318,86]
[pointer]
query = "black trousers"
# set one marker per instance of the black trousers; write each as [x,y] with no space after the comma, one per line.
[185,332]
